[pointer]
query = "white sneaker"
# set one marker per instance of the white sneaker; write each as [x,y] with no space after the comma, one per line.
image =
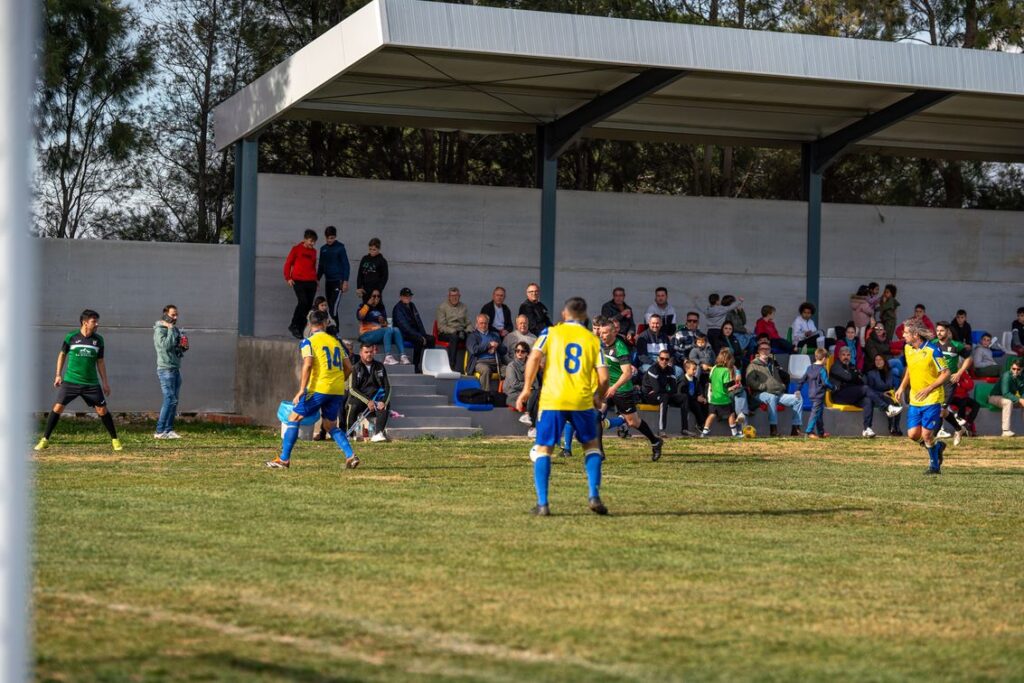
[532,432]
[404,360]
[378,437]
[525,419]
[868,433]
[171,435]
[959,436]
[741,417]
[943,434]
[159,435]
[1008,433]
[390,360]
[705,433]
[893,411]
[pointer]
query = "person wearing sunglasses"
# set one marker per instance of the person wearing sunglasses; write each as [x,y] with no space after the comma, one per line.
[1008,393]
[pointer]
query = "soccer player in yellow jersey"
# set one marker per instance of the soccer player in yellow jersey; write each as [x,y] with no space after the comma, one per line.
[325,365]
[575,380]
[926,374]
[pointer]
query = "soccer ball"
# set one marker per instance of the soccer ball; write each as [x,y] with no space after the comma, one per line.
[750,432]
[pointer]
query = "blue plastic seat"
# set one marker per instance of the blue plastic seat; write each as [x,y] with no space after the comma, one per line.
[469,383]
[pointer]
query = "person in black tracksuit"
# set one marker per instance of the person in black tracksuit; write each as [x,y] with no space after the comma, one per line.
[368,376]
[661,387]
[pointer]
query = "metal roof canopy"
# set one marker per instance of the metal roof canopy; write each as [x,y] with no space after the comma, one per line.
[479,69]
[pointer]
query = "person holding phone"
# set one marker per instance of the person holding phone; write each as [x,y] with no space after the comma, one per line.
[170,344]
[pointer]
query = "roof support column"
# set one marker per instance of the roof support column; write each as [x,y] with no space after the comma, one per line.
[817,156]
[555,137]
[244,233]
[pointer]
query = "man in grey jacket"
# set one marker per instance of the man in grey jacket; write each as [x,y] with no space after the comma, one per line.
[170,345]
[764,379]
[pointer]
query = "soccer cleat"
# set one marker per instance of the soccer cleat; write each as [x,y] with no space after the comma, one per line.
[531,433]
[525,419]
[623,431]
[656,450]
[378,437]
[1007,433]
[943,434]
[43,444]
[868,433]
[959,436]
[541,511]
[687,432]
[171,434]
[931,471]
[116,444]
[893,411]
[352,463]
[404,360]
[662,434]
[278,464]
[942,447]
[566,453]
[738,435]
[596,506]
[705,433]
[390,360]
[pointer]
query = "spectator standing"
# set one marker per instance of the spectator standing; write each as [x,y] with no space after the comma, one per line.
[484,348]
[373,271]
[1008,393]
[805,333]
[300,274]
[723,388]
[888,309]
[714,317]
[374,329]
[874,299]
[452,319]
[535,311]
[498,313]
[693,387]
[862,312]
[370,388]
[1017,333]
[817,383]
[764,379]
[334,268]
[662,308]
[984,364]
[406,319]
[170,344]
[961,330]
[618,309]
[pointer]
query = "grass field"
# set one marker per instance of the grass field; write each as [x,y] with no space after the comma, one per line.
[762,560]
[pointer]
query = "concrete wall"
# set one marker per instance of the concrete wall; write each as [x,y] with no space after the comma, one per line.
[129,283]
[478,237]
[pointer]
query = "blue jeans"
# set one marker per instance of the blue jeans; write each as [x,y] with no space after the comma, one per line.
[170,385]
[387,337]
[794,401]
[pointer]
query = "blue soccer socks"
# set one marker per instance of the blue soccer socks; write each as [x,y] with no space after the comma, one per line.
[614,422]
[291,435]
[592,464]
[541,477]
[342,441]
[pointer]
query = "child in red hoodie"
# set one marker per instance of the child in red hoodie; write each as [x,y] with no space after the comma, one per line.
[300,274]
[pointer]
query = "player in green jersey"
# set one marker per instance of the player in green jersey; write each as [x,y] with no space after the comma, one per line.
[952,352]
[80,371]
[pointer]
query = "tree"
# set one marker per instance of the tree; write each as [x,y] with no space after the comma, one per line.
[95,62]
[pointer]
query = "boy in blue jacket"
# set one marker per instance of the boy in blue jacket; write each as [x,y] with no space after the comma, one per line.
[817,383]
[333,267]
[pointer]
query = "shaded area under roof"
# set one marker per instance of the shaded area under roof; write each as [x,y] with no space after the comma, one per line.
[462,67]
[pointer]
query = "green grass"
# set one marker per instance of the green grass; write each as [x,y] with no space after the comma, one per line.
[763,560]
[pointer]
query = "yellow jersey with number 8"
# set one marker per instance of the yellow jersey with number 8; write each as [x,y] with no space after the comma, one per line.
[572,354]
[328,376]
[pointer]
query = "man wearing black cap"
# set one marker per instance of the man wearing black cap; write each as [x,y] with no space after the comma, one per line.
[406,318]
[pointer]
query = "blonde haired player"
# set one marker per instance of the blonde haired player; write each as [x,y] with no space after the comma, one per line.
[926,374]
[575,379]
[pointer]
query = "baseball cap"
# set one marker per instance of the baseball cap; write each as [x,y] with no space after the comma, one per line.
[405,292]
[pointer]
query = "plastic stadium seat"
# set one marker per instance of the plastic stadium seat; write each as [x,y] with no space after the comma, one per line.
[1007,340]
[640,328]
[803,394]
[650,407]
[798,365]
[435,364]
[976,336]
[469,383]
[982,390]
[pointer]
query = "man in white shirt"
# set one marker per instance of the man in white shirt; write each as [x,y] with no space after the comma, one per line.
[661,307]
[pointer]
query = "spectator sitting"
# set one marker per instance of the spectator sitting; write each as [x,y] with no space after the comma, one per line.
[1017,333]
[852,342]
[651,342]
[374,329]
[498,313]
[863,313]
[765,381]
[961,330]
[766,325]
[805,333]
[520,334]
[618,309]
[881,379]
[660,388]
[919,313]
[703,355]
[373,271]
[300,274]
[685,338]
[535,311]
[964,404]
[1008,393]
[452,319]
[368,378]
[852,390]
[888,310]
[984,364]
[484,348]
[406,319]
[878,344]
[330,327]
[663,309]
[714,317]
[728,340]
[693,387]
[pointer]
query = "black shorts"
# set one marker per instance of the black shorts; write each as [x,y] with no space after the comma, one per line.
[721,412]
[624,404]
[90,393]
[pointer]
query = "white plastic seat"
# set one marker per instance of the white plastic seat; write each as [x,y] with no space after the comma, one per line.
[435,364]
[798,364]
[1007,340]
[831,333]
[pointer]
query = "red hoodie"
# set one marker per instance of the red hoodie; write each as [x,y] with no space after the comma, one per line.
[300,264]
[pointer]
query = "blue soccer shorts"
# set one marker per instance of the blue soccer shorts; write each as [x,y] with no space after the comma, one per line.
[327,404]
[550,424]
[926,417]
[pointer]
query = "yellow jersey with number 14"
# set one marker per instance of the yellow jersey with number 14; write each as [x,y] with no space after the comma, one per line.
[328,376]
[924,365]
[572,354]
